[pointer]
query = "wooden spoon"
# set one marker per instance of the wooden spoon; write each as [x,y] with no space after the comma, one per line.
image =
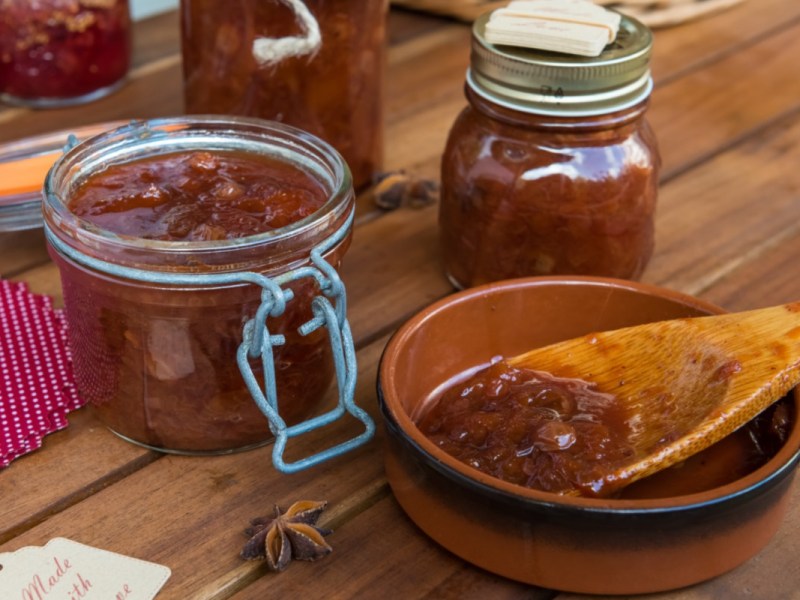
[685,383]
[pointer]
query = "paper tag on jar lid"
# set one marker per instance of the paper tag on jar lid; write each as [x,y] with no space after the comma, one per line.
[67,570]
[571,26]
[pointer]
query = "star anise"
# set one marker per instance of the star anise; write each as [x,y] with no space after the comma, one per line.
[288,535]
[397,188]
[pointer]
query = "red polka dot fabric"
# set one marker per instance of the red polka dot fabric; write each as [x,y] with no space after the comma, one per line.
[37,388]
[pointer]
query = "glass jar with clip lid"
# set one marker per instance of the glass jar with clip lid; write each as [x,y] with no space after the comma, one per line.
[204,315]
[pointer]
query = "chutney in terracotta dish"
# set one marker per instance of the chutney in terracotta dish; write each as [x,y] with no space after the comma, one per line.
[562,435]
[158,361]
[530,428]
[682,526]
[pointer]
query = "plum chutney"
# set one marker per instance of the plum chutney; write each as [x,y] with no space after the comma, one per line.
[335,92]
[62,52]
[531,428]
[194,196]
[169,236]
[552,167]
[556,434]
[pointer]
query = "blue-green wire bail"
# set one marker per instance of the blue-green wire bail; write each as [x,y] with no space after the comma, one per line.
[257,341]
[328,310]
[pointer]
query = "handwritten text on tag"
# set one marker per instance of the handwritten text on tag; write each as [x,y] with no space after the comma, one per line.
[63,569]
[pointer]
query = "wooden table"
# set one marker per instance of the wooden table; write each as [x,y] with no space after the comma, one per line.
[726,109]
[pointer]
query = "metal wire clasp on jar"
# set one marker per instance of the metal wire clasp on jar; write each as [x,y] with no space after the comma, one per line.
[186,346]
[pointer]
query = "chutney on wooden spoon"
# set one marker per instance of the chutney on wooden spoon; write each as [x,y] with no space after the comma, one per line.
[593,414]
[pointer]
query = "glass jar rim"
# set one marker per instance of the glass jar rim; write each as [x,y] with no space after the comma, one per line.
[201,132]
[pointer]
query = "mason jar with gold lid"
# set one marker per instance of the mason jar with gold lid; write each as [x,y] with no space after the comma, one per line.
[552,168]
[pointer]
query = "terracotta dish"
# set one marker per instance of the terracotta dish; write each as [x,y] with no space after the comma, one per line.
[663,535]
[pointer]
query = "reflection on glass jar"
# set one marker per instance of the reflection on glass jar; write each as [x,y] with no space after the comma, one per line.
[158,362]
[62,52]
[551,179]
[320,70]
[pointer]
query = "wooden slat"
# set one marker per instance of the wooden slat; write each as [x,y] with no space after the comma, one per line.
[695,116]
[680,50]
[729,212]
[404,26]
[71,465]
[392,270]
[770,280]
[383,550]
[426,70]
[189,512]
[154,38]
[21,250]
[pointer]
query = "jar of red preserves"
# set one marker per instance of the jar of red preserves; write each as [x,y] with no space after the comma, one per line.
[171,236]
[552,168]
[62,52]
[314,64]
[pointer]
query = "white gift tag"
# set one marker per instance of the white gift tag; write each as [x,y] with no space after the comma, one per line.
[67,570]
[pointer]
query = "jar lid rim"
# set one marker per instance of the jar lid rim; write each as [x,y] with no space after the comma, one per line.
[561,84]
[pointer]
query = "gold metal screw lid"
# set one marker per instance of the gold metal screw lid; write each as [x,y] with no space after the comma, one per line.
[551,83]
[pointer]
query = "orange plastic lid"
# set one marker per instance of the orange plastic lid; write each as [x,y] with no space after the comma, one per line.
[23,167]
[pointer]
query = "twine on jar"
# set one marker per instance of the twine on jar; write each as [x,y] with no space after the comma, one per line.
[272,50]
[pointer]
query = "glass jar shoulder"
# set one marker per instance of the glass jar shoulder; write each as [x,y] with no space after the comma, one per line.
[532,147]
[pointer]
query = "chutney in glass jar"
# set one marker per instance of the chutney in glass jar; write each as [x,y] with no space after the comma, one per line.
[157,361]
[62,52]
[314,64]
[552,168]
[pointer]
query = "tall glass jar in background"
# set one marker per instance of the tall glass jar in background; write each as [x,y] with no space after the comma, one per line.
[552,167]
[62,52]
[314,64]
